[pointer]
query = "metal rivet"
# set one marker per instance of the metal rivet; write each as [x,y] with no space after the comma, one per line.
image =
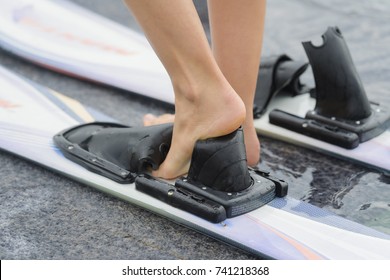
[171,192]
[357,122]
[229,193]
[70,147]
[304,125]
[204,188]
[333,118]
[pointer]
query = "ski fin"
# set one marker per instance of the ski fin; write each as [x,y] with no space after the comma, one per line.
[219,184]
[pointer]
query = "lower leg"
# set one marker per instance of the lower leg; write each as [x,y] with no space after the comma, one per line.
[237,35]
[206,105]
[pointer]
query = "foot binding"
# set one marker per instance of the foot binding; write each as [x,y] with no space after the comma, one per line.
[116,151]
[343,115]
[278,73]
[219,184]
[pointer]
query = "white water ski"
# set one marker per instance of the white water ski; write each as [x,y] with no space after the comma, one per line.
[284,229]
[65,37]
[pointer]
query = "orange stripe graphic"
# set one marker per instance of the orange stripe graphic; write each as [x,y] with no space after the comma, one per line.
[37,25]
[7,104]
[306,252]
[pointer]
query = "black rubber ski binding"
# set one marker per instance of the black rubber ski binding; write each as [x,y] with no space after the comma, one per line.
[278,73]
[116,151]
[219,181]
[218,186]
[343,115]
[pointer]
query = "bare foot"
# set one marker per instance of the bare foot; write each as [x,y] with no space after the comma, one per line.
[252,143]
[197,119]
[150,119]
